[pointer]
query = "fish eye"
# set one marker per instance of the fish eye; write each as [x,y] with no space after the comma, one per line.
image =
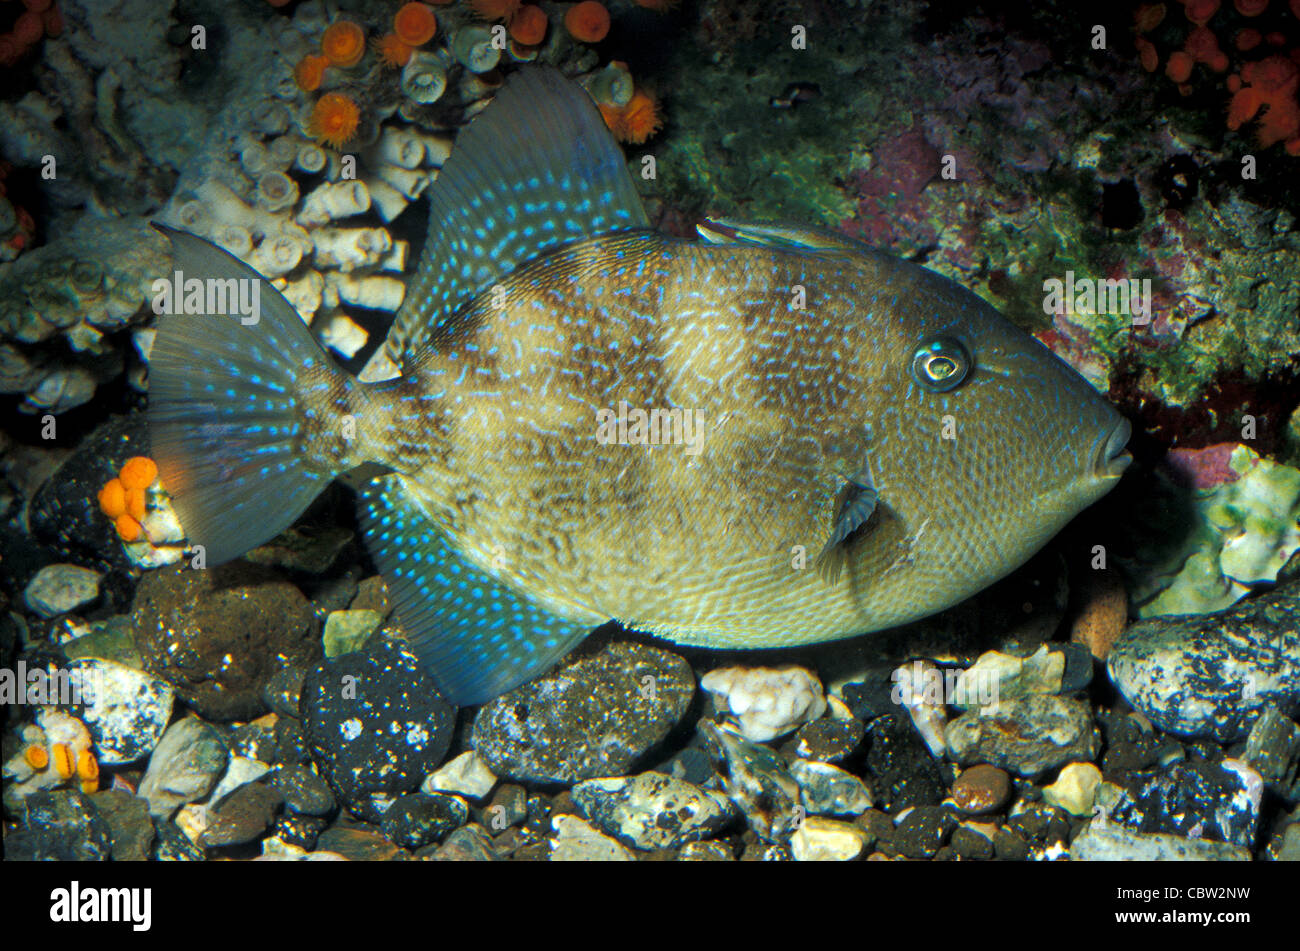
[941,364]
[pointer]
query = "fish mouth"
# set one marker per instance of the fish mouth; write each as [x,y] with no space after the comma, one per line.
[1111,457]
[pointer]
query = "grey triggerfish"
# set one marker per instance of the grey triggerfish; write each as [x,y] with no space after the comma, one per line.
[769,437]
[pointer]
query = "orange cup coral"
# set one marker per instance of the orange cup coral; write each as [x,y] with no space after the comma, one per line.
[1268,92]
[343,43]
[309,72]
[393,52]
[528,25]
[587,21]
[334,119]
[415,24]
[635,122]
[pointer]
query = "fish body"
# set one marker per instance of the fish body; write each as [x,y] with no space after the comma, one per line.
[775,436]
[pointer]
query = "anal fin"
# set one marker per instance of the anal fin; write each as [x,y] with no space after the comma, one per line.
[476,637]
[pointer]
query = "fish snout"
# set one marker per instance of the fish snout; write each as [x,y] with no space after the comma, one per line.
[1111,458]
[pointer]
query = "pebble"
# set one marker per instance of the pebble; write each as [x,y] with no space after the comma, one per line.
[110,639]
[1109,843]
[692,764]
[185,766]
[375,726]
[469,843]
[296,829]
[576,840]
[757,781]
[173,845]
[245,816]
[347,631]
[418,819]
[994,677]
[827,790]
[126,710]
[706,852]
[61,825]
[829,740]
[764,702]
[129,823]
[1196,799]
[218,635]
[304,792]
[981,789]
[653,810]
[971,843]
[1290,849]
[1075,789]
[509,807]
[1273,749]
[357,845]
[466,775]
[282,691]
[240,770]
[923,830]
[819,839]
[920,690]
[58,589]
[1214,675]
[372,595]
[1027,736]
[903,771]
[627,695]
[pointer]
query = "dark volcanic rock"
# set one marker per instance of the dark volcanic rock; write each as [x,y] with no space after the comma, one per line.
[1212,675]
[218,635]
[61,826]
[375,725]
[593,716]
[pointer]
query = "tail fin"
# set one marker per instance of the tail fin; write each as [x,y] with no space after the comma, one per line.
[225,402]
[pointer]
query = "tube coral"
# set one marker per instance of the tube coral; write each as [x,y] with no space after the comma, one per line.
[528,25]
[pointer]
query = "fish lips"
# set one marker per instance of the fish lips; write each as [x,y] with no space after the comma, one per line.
[1111,457]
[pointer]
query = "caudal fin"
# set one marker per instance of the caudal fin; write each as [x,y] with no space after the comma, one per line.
[225,402]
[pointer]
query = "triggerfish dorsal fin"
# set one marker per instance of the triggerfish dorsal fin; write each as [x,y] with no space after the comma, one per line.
[475,636]
[537,169]
[776,235]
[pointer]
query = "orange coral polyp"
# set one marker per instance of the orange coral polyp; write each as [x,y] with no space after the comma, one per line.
[343,43]
[1179,67]
[139,472]
[64,765]
[335,118]
[415,24]
[528,26]
[36,757]
[495,9]
[112,498]
[635,122]
[128,529]
[1200,11]
[393,52]
[587,21]
[1250,8]
[309,72]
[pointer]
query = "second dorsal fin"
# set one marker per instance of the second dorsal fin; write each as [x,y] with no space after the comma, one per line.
[537,169]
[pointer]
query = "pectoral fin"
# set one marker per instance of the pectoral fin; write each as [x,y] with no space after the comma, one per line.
[853,509]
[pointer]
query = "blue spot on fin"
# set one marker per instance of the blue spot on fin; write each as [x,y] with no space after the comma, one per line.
[476,637]
[536,170]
